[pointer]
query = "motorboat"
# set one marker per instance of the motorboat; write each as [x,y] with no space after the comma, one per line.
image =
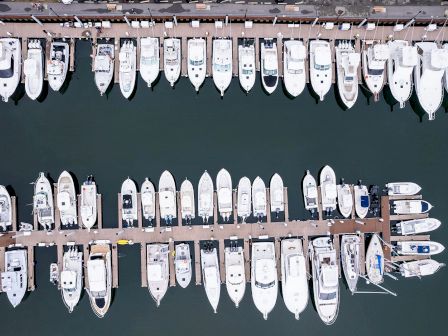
[129,212]
[408,207]
[14,279]
[5,209]
[172,59]
[187,206]
[277,194]
[350,259]
[246,65]
[419,248]
[10,66]
[362,200]
[420,268]
[224,193]
[54,273]
[197,61]
[294,75]
[321,76]
[259,198]
[375,260]
[222,64]
[347,63]
[264,281]
[57,65]
[205,197]
[269,65]
[103,66]
[328,189]
[325,272]
[244,202]
[149,59]
[88,203]
[374,57]
[402,188]
[211,276]
[33,68]
[127,70]
[71,277]
[167,197]
[294,276]
[148,198]
[309,190]
[416,226]
[182,265]
[235,273]
[345,199]
[157,270]
[66,199]
[43,206]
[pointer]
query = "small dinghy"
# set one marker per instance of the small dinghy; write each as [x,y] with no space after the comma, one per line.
[71,277]
[211,276]
[235,273]
[129,202]
[328,189]
[362,200]
[182,264]
[157,270]
[167,197]
[148,195]
[345,199]
[224,192]
[402,188]
[43,202]
[419,248]
[33,68]
[172,59]
[5,209]
[187,207]
[149,59]
[375,260]
[416,226]
[409,207]
[309,189]
[205,197]
[88,203]
[259,198]
[66,199]
[420,268]
[277,194]
[350,260]
[244,207]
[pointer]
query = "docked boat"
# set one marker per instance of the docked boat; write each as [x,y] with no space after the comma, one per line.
[407,207]
[416,226]
[264,282]
[14,279]
[172,59]
[187,206]
[350,259]
[57,65]
[325,272]
[224,192]
[277,194]
[328,189]
[362,200]
[149,59]
[157,270]
[375,260]
[88,203]
[402,188]
[5,209]
[182,264]
[210,276]
[167,197]
[148,197]
[33,68]
[374,57]
[259,198]
[419,248]
[222,64]
[127,71]
[129,202]
[197,61]
[43,206]
[347,62]
[205,197]
[309,189]
[244,206]
[103,66]
[294,276]
[294,75]
[420,268]
[321,76]
[71,277]
[235,273]
[66,199]
[269,65]
[246,65]
[345,199]
[10,66]
[54,273]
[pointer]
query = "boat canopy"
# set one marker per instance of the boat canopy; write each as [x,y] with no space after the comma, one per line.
[365,201]
[264,271]
[30,67]
[68,279]
[260,199]
[322,56]
[127,201]
[330,190]
[102,63]
[409,56]
[381,52]
[64,201]
[311,191]
[270,60]
[330,275]
[347,199]
[97,275]
[439,58]
[155,272]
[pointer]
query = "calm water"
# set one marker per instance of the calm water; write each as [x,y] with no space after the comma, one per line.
[249,135]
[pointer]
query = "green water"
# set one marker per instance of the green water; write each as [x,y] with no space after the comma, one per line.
[187,133]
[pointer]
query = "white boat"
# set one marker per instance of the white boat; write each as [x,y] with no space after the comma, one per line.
[294,276]
[246,65]
[10,66]
[172,60]
[5,209]
[43,202]
[224,193]
[222,64]
[374,57]
[167,197]
[321,76]
[362,200]
[157,270]
[127,70]
[210,276]
[420,268]
[445,46]
[57,65]
[187,206]
[54,273]
[99,275]
[347,63]
[402,60]
[71,277]
[328,189]
[33,68]
[235,273]
[264,281]
[277,194]
[244,202]
[294,76]
[428,75]
[259,198]
[66,199]
[325,272]
[350,259]
[205,197]
[148,197]
[345,199]
[14,279]
[129,212]
[149,59]
[402,188]
[197,61]
[419,248]
[407,207]
[182,264]
[103,66]
[375,260]
[88,203]
[309,189]
[416,226]
[269,65]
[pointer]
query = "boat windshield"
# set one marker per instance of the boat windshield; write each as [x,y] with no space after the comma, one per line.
[264,285]
[348,78]
[149,60]
[222,67]
[9,72]
[321,67]
[327,296]
[196,63]
[247,71]
[270,72]
[375,72]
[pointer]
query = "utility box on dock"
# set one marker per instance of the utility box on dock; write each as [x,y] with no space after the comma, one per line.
[195,23]
[248,24]
[345,26]
[431,27]
[329,25]
[370,26]
[398,27]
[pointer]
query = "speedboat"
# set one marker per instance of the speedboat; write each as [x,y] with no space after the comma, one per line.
[224,192]
[103,66]
[10,66]
[347,62]
[5,209]
[33,68]
[374,57]
[88,203]
[57,65]
[345,199]
[325,271]
[277,194]
[408,207]
[309,189]
[187,207]
[269,65]
[99,276]
[321,76]
[416,226]
[15,277]
[43,202]
[129,202]
[66,199]
[235,273]
[264,282]
[362,200]
[71,277]
[172,59]
[375,260]
[127,71]
[182,265]
[149,59]
[167,197]
[222,64]
[205,197]
[259,198]
[157,270]
[210,276]
[294,76]
[402,188]
[197,61]
[420,268]
[419,248]
[148,195]
[428,75]
[328,189]
[294,276]
[244,206]
[246,65]
[350,260]
[402,60]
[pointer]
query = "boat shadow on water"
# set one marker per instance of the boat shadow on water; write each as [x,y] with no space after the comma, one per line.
[312,93]
[389,98]
[416,107]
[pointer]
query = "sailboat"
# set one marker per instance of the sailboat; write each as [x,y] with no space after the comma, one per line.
[187,204]
[402,188]
[246,65]
[374,57]
[224,193]
[235,273]
[127,71]
[244,201]
[129,202]
[10,66]
[167,197]
[66,199]
[309,189]
[259,198]
[182,264]
[71,277]
[5,209]
[33,68]
[197,61]
[416,226]
[157,270]
[205,197]
[420,268]
[362,200]
[14,279]
[419,248]
[321,76]
[222,64]
[210,276]
[172,59]
[269,65]
[407,207]
[375,260]
[350,259]
[277,194]
[149,59]
[43,202]
[148,195]
[347,62]
[345,199]
[328,189]
[103,66]
[294,76]
[57,65]
[88,203]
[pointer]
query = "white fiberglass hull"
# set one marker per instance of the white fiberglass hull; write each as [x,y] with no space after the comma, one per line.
[10,78]
[172,60]
[222,64]
[14,279]
[127,71]
[420,268]
[5,209]
[66,199]
[88,204]
[34,70]
[224,193]
[328,189]
[277,194]
[148,200]
[205,197]
[157,270]
[71,278]
[259,198]
[269,66]
[362,200]
[182,264]
[309,189]
[197,62]
[43,202]
[244,206]
[58,65]
[294,75]
[187,204]
[104,66]
[416,226]
[167,197]
[211,277]
[345,200]
[350,260]
[149,59]
[246,66]
[402,188]
[235,273]
[321,75]
[347,82]
[375,260]
[419,248]
[129,202]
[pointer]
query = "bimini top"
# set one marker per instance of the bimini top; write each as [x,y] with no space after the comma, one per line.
[97,275]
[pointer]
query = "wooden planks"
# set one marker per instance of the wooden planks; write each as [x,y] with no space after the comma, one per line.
[30,258]
[86,258]
[2,263]
[114,266]
[171,264]
[143,265]
[197,262]
[247,259]
[222,267]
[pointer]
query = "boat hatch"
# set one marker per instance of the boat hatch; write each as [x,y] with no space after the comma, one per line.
[97,275]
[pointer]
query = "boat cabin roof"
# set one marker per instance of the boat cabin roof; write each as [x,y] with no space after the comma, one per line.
[409,56]
[5,57]
[381,52]
[330,275]
[322,56]
[68,279]
[97,275]
[64,200]
[155,272]
[439,58]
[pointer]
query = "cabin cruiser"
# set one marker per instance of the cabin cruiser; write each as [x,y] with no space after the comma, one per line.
[350,259]
[419,248]
[149,59]
[375,260]
[309,189]
[420,268]
[5,209]
[210,276]
[294,76]
[259,198]
[43,202]
[277,194]
[14,279]
[71,277]
[157,270]
[428,75]
[197,61]
[235,273]
[269,65]
[167,197]
[10,66]
[172,59]
[224,192]
[148,196]
[264,282]
[33,68]
[88,203]
[103,66]
[246,65]
[182,264]
[325,271]
[66,199]
[374,57]
[222,64]
[294,276]
[244,206]
[57,65]
[402,188]
[416,226]
[129,202]
[362,200]
[328,189]
[320,67]
[127,71]
[187,206]
[347,62]
[205,197]
[345,199]
[407,207]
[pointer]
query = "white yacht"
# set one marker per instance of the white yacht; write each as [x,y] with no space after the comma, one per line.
[167,197]
[103,66]
[347,62]
[182,264]
[402,188]
[43,202]
[148,198]
[222,64]
[420,268]
[235,273]
[205,197]
[33,68]
[362,200]
[172,60]
[149,59]
[269,65]
[309,189]
[129,202]
[375,260]
[88,203]
[224,193]
[197,61]
[345,199]
[374,57]
[328,189]
[187,205]
[350,259]
[259,198]
[157,270]
[127,71]
[71,277]
[321,76]
[66,199]
[277,194]
[14,279]
[294,76]
[407,207]
[419,248]
[5,209]
[428,75]
[10,66]
[244,201]
[416,226]
[294,276]
[210,276]
[246,65]
[325,272]
[57,65]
